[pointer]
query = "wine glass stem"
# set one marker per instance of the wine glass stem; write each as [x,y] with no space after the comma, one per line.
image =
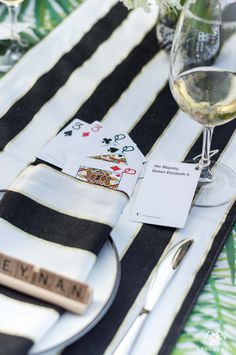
[205,161]
[13,17]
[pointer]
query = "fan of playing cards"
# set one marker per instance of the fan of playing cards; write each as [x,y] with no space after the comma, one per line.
[95,154]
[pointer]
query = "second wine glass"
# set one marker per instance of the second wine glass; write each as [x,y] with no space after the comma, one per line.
[206,93]
[17,46]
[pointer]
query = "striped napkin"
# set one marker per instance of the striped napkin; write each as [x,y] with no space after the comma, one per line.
[57,223]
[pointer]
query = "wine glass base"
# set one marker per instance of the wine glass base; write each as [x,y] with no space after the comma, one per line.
[221,190]
[7,62]
[11,57]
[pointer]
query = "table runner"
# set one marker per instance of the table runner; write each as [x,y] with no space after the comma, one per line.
[114,92]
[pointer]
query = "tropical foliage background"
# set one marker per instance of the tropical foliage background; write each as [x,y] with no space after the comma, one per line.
[41,15]
[211,328]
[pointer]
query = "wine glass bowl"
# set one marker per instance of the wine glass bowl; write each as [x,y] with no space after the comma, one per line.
[206,93]
[198,94]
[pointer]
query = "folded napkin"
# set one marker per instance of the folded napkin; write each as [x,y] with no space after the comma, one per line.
[56,223]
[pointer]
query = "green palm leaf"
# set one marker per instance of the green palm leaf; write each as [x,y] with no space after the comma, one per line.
[23,9]
[3,13]
[43,17]
[214,314]
[230,250]
[39,14]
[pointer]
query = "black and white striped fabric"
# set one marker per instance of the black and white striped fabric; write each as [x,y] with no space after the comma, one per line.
[103,63]
[52,221]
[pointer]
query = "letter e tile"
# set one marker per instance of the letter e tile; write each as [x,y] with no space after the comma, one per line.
[8,265]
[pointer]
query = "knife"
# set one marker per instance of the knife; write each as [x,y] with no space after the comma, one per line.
[161,279]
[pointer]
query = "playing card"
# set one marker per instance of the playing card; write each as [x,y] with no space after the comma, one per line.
[110,146]
[114,146]
[51,151]
[92,141]
[77,142]
[113,176]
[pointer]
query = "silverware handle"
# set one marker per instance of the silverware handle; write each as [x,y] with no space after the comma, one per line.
[128,341]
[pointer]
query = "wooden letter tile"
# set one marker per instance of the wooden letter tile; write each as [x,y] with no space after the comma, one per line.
[24,271]
[8,265]
[43,279]
[60,285]
[78,292]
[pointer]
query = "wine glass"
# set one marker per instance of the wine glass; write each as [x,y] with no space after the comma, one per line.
[17,46]
[206,93]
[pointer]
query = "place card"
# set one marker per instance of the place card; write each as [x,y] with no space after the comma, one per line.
[166,194]
[70,294]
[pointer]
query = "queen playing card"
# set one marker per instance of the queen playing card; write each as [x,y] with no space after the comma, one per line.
[110,175]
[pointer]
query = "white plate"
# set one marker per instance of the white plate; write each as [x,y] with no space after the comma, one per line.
[70,327]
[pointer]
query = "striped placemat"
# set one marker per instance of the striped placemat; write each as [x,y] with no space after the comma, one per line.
[110,68]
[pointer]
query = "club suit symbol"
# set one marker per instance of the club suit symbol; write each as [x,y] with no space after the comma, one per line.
[107,140]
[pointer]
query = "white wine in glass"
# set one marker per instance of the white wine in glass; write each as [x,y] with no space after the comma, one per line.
[206,93]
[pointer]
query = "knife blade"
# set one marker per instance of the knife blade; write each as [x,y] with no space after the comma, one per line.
[164,273]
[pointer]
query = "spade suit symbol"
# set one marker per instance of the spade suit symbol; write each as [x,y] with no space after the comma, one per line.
[68,133]
[112,150]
